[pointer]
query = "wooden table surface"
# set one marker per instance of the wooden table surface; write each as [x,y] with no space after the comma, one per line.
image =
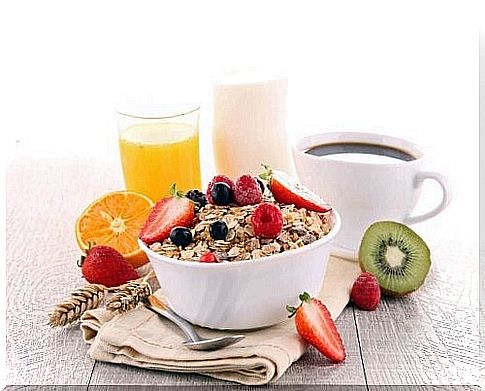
[428,338]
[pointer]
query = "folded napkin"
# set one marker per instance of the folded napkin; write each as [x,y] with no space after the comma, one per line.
[144,339]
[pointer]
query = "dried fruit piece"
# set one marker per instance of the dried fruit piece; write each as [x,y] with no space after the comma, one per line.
[208,258]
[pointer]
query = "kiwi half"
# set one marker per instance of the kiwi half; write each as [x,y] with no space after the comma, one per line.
[396,255]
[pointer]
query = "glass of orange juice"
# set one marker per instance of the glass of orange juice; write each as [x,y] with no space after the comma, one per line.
[160,149]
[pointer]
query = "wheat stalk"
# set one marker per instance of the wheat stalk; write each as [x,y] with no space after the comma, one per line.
[124,298]
[128,296]
[72,308]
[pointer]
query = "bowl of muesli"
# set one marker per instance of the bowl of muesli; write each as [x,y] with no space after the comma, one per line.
[234,257]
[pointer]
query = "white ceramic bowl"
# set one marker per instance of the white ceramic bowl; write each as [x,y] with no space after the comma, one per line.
[245,294]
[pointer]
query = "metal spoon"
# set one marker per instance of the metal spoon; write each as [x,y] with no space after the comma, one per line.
[194,342]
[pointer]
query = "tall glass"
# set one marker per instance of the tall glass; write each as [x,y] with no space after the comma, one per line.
[158,150]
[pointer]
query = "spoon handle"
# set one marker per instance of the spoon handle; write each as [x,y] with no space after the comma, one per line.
[161,309]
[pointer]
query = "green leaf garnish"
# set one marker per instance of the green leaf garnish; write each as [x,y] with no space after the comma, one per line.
[267,173]
[176,193]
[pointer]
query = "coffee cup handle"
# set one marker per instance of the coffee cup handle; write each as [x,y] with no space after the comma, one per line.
[445,200]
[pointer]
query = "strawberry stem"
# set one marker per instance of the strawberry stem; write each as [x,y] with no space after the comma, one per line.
[304,297]
[291,310]
[83,256]
[267,172]
[176,193]
[80,261]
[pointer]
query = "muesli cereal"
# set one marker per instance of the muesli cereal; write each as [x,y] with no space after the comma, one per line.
[300,227]
[237,221]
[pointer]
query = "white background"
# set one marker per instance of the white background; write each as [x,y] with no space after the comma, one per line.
[408,69]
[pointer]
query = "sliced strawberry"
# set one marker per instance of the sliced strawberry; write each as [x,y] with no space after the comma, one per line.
[287,190]
[315,325]
[168,213]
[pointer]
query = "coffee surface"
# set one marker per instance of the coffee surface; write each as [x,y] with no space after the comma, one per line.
[361,152]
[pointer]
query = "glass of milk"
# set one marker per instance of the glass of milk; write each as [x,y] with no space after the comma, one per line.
[249,122]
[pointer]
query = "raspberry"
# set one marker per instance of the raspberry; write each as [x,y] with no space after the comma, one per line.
[267,221]
[247,191]
[218,178]
[208,258]
[366,293]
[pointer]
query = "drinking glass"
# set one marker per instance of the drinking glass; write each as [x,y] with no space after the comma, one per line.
[159,148]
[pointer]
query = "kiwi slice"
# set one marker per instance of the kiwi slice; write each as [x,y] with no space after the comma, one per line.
[396,255]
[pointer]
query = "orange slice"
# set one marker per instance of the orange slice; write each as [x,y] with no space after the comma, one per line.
[115,220]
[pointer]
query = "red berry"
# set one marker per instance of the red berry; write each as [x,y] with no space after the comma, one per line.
[106,266]
[366,293]
[287,190]
[315,325]
[218,178]
[208,258]
[247,191]
[267,221]
[166,214]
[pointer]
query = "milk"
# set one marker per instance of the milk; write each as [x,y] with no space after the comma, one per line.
[249,123]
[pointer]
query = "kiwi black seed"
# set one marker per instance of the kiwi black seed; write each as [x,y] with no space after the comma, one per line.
[396,255]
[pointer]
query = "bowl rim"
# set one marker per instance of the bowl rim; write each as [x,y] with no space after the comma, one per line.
[270,258]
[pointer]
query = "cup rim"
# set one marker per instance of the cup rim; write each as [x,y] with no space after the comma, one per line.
[271,258]
[305,142]
[158,112]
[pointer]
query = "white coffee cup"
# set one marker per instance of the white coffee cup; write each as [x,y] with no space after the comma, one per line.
[366,191]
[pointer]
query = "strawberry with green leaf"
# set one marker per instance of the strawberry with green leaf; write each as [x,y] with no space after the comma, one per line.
[315,325]
[168,213]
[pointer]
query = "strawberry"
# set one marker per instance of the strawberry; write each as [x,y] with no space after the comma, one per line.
[168,213]
[287,190]
[366,293]
[106,266]
[208,257]
[314,324]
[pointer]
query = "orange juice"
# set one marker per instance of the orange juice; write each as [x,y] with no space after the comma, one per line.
[155,155]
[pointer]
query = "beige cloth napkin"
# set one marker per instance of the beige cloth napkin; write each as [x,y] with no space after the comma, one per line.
[144,339]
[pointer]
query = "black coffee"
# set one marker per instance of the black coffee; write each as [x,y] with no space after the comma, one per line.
[361,152]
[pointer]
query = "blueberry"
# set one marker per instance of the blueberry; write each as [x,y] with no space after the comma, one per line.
[198,197]
[221,194]
[260,183]
[181,236]
[218,230]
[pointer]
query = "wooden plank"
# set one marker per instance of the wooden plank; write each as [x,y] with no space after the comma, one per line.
[425,388]
[430,337]
[311,369]
[42,205]
[314,369]
[225,387]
